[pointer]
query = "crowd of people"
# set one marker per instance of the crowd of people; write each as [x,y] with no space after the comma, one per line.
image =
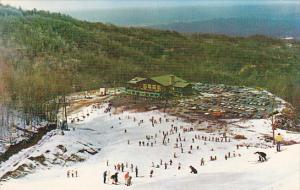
[179,139]
[176,137]
[120,168]
[72,173]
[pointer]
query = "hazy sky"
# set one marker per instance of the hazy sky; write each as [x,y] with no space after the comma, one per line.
[60,5]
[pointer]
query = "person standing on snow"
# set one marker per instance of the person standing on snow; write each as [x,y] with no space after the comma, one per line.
[126,178]
[278,140]
[129,181]
[131,167]
[136,171]
[104,177]
[202,162]
[151,173]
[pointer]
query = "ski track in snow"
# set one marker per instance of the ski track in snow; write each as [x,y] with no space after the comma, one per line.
[281,171]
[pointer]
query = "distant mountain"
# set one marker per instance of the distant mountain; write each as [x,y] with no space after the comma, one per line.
[239,27]
[9,11]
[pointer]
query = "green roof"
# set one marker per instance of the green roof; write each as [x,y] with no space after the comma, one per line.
[166,80]
[136,80]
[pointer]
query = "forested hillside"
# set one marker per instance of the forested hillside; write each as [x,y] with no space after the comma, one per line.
[49,54]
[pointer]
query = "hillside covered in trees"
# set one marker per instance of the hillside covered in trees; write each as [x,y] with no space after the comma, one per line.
[44,55]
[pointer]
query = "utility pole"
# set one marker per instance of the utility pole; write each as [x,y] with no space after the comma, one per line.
[115,89]
[65,110]
[272,120]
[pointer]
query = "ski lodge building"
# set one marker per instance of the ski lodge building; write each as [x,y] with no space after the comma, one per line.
[157,87]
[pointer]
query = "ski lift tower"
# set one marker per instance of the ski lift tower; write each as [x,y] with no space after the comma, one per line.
[63,103]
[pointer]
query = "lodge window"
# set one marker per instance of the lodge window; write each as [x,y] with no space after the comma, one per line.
[158,87]
[149,86]
[154,87]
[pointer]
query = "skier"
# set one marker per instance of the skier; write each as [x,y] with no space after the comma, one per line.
[131,167]
[202,162]
[166,165]
[104,176]
[129,181]
[278,140]
[126,176]
[174,155]
[136,171]
[116,177]
[261,156]
[113,179]
[122,167]
[179,166]
[193,170]
[151,173]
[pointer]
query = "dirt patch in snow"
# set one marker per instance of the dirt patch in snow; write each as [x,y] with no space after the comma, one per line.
[21,171]
[291,142]
[62,148]
[239,137]
[40,159]
[75,158]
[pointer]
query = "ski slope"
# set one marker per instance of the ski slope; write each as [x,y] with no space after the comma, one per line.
[104,134]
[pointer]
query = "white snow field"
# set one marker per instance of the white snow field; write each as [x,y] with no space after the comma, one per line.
[281,171]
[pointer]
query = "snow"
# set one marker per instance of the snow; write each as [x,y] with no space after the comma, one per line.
[281,171]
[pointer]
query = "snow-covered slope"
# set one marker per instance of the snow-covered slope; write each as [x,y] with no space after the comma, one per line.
[101,137]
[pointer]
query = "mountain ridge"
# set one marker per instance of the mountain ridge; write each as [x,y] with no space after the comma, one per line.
[66,55]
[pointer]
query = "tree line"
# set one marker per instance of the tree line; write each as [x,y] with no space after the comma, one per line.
[48,55]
